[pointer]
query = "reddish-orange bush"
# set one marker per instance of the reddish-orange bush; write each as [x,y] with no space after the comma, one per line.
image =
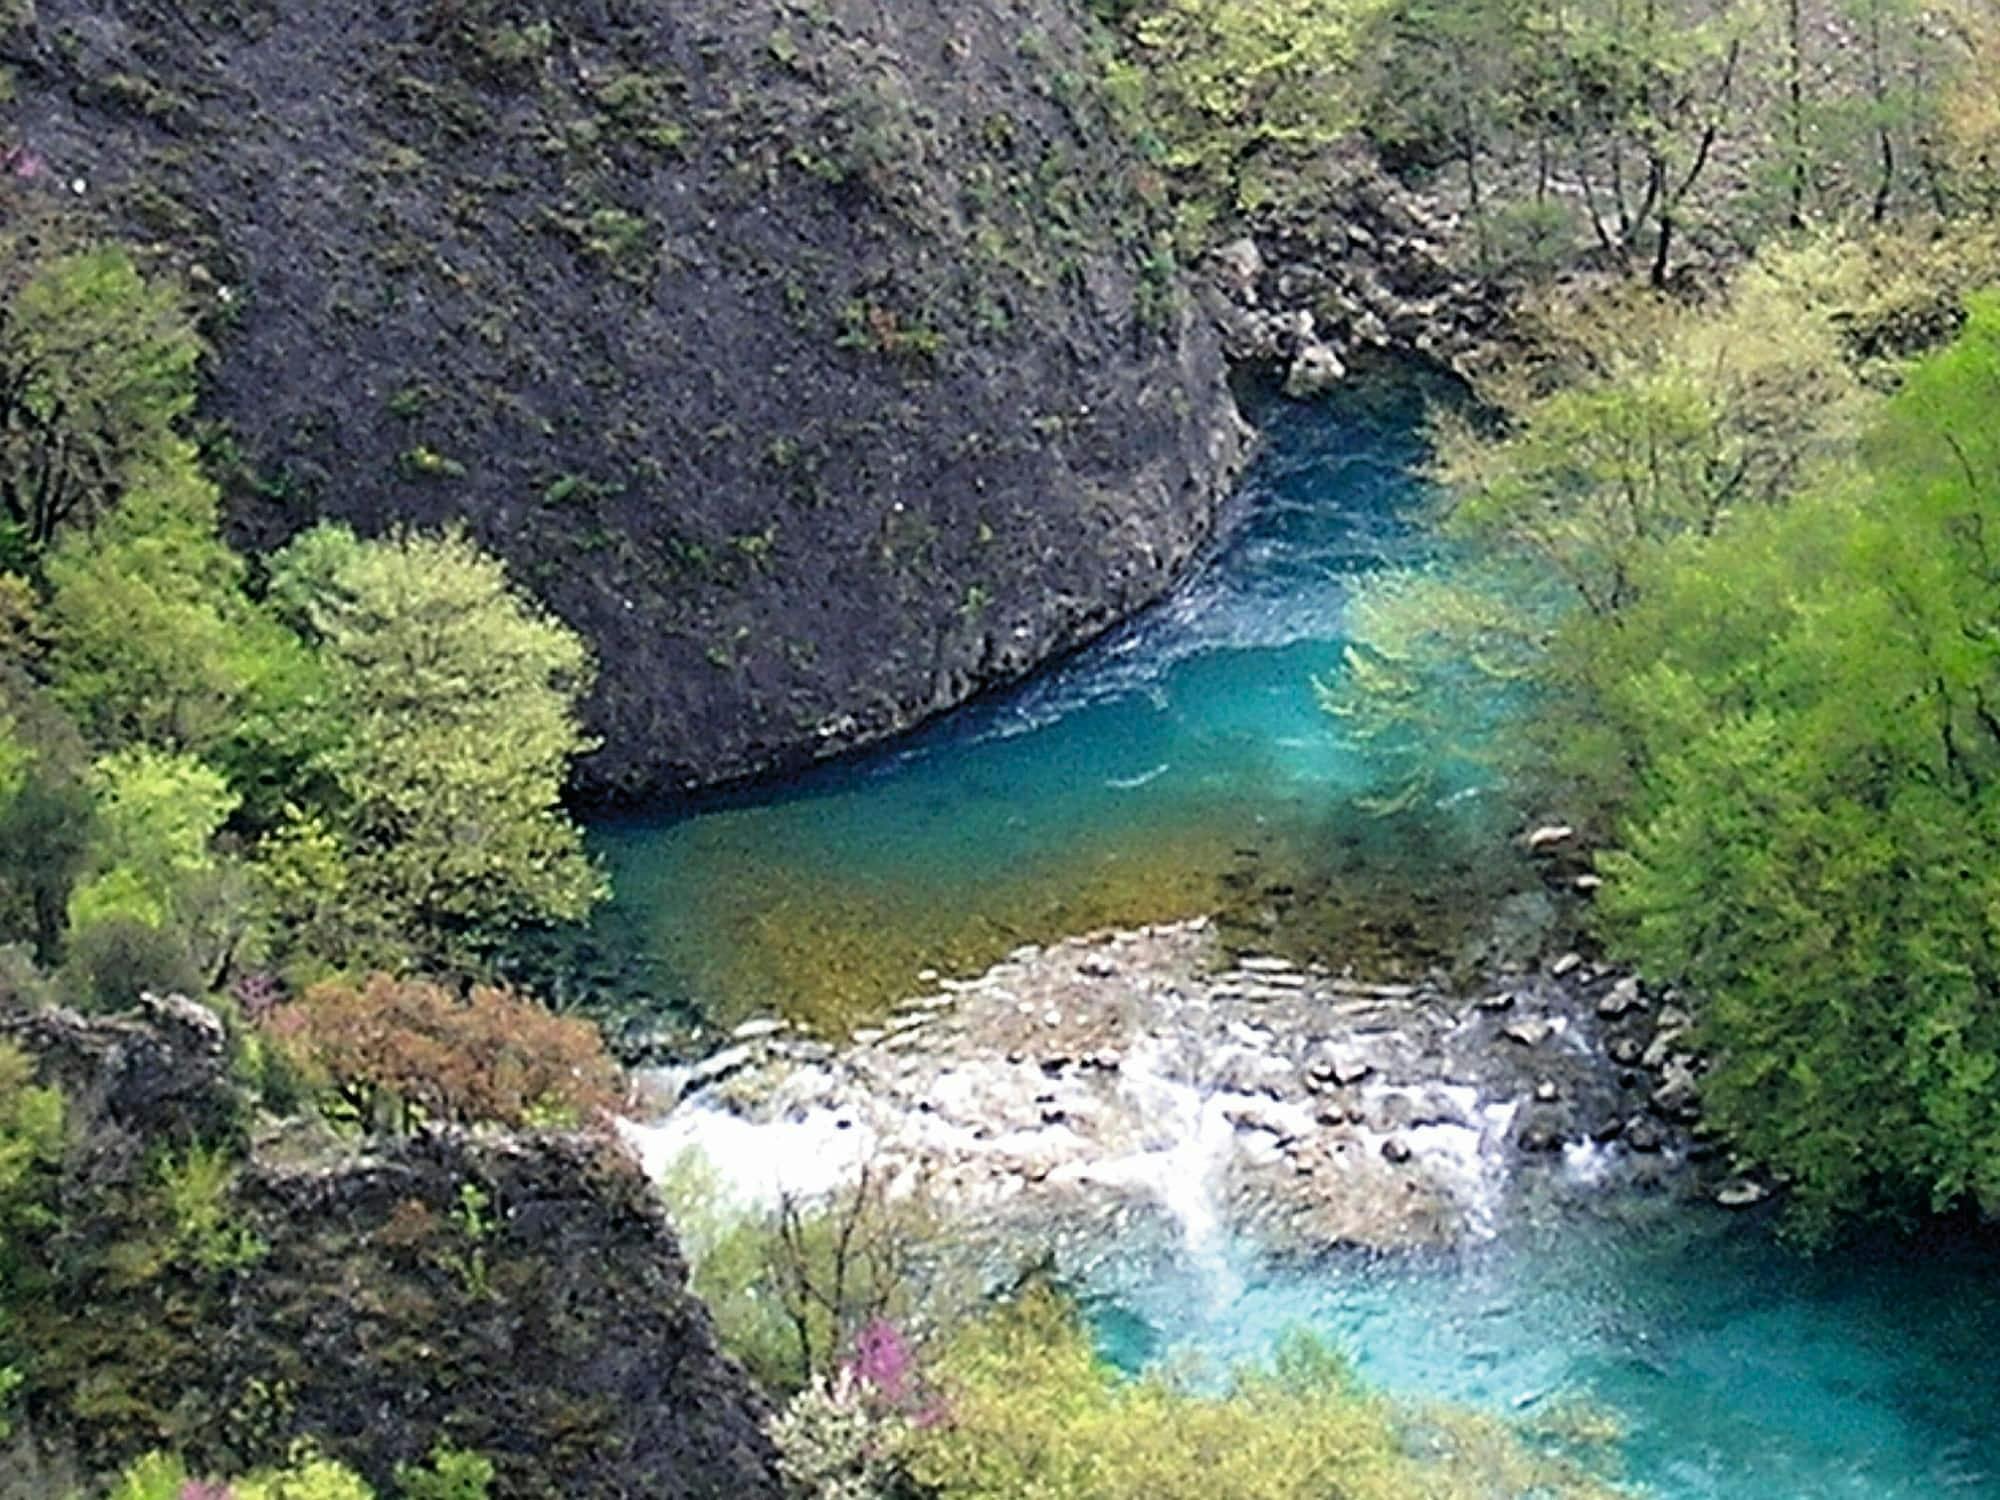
[421,1051]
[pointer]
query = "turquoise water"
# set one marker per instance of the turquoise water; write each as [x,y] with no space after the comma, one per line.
[1181,765]
[1739,1372]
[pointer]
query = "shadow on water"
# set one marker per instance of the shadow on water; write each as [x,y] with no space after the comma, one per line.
[1179,766]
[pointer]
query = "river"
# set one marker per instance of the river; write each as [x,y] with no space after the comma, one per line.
[1183,765]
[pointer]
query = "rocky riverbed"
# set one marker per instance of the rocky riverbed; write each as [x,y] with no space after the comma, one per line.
[1152,1080]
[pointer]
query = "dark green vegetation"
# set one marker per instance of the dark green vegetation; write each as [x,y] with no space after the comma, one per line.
[758,338]
[252,785]
[1641,135]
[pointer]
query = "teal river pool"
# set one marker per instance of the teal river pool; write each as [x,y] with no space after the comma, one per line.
[1183,765]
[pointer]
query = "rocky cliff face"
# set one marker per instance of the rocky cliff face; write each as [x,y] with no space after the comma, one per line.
[823,362]
[522,1296]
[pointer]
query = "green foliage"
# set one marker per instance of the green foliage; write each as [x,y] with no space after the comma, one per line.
[157,1476]
[194,1194]
[451,1474]
[153,639]
[1226,92]
[31,1144]
[790,1288]
[96,369]
[1641,424]
[158,909]
[452,704]
[1813,848]
[1034,1414]
[46,816]
[157,816]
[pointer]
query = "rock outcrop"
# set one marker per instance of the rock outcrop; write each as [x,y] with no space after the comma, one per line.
[519,1295]
[823,364]
[1374,270]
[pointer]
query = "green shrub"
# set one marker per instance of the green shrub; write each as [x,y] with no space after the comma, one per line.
[451,1474]
[1029,1410]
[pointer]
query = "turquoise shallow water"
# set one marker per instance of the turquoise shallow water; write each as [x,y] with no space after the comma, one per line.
[1739,1371]
[1181,763]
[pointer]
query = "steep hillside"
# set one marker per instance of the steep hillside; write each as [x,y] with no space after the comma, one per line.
[823,361]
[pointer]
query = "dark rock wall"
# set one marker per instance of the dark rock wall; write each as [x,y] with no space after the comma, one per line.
[822,361]
[519,1295]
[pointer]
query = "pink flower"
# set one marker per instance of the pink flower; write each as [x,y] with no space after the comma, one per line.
[197,1489]
[883,1359]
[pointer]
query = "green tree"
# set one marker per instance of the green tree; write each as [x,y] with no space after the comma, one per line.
[1031,1411]
[1642,423]
[1813,848]
[153,639]
[452,704]
[1233,95]
[96,369]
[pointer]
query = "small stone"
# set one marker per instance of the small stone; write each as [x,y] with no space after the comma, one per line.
[1540,1137]
[1502,1001]
[1097,968]
[1568,964]
[1546,1092]
[927,976]
[1678,1096]
[868,1035]
[1589,883]
[1645,1136]
[1741,1193]
[758,1030]
[1052,1018]
[1661,1048]
[1550,836]
[1108,1059]
[1396,1150]
[1242,262]
[1260,963]
[1528,1033]
[1622,998]
[1625,1051]
[1316,369]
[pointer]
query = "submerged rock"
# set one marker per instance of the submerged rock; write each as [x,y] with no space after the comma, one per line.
[1741,1192]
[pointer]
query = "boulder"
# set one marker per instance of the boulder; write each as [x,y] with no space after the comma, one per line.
[1316,369]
